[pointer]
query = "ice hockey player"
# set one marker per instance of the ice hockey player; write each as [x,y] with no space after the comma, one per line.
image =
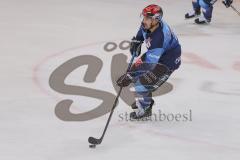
[207,8]
[153,67]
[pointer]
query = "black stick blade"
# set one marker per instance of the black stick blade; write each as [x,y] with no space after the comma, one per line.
[93,140]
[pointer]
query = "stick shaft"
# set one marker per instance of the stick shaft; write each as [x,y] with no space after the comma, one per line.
[116,99]
[235,10]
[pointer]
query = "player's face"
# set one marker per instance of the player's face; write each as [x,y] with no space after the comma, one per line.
[148,22]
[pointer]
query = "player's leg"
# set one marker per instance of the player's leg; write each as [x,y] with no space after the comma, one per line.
[207,9]
[144,87]
[142,107]
[196,10]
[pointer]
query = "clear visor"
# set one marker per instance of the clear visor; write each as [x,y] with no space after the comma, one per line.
[150,16]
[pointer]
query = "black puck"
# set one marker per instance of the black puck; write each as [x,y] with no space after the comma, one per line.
[92,146]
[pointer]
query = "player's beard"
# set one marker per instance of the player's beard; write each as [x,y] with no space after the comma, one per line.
[148,29]
[151,26]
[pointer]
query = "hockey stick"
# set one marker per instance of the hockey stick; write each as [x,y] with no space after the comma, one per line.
[96,141]
[235,10]
[231,7]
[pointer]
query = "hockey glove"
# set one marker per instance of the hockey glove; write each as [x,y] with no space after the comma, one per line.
[227,3]
[135,46]
[124,80]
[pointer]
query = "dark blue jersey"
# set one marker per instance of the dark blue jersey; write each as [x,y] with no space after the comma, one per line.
[161,45]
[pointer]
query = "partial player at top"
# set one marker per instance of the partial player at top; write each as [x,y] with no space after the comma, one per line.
[206,7]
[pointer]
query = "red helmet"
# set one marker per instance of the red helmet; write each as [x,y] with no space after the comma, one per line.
[153,11]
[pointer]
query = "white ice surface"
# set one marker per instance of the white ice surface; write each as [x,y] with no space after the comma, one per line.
[38,36]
